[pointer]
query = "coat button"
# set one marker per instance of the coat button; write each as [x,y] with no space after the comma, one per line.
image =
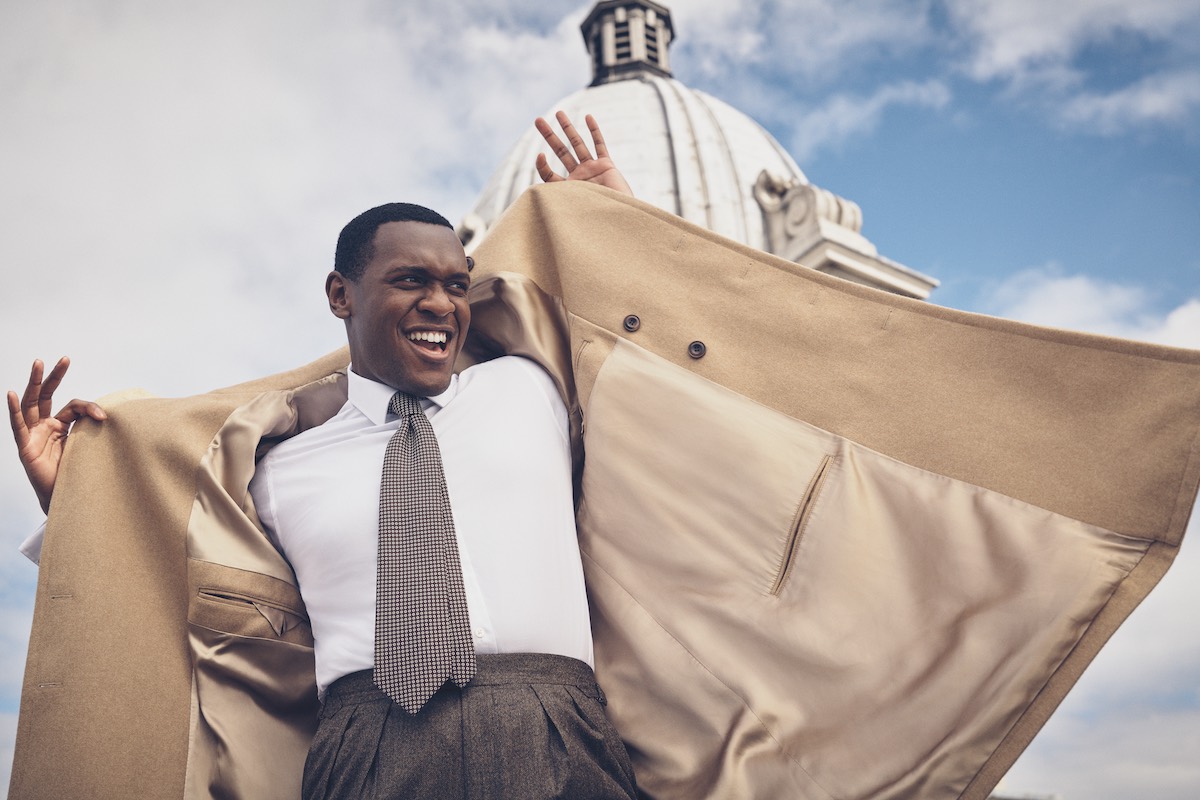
[697,349]
[632,323]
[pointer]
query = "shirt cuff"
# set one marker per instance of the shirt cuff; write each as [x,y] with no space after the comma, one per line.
[32,547]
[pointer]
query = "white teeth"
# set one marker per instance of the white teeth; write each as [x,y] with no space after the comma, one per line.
[437,337]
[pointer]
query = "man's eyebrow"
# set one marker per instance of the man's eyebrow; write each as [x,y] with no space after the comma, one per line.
[403,269]
[395,268]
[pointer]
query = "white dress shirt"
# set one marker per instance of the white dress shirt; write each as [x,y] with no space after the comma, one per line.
[502,430]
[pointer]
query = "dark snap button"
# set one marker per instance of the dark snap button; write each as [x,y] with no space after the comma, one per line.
[632,323]
[697,349]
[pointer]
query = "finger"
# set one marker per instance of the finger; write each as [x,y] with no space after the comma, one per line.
[46,395]
[33,389]
[19,429]
[543,169]
[577,143]
[561,150]
[77,409]
[597,136]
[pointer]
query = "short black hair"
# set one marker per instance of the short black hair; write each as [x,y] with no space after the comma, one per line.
[355,246]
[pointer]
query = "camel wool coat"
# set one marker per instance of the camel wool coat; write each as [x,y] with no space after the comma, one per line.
[838,543]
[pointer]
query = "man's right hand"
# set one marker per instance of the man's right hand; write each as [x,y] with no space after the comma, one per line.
[41,437]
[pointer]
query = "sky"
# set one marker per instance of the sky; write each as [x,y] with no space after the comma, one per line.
[173,176]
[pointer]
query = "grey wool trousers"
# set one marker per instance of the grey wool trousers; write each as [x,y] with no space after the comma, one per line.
[528,726]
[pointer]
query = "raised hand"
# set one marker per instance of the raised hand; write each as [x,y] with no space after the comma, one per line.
[578,160]
[41,437]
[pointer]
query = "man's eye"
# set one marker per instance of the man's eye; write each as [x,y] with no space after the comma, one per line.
[458,287]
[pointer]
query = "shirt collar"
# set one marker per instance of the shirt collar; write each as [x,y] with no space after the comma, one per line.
[373,398]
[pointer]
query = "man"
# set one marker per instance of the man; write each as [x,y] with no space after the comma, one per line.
[526,719]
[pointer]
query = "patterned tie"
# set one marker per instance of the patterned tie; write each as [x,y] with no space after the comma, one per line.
[422,630]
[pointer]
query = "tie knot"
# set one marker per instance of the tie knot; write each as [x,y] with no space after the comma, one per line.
[404,405]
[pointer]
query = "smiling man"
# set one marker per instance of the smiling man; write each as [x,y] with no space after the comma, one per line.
[400,285]
[524,715]
[432,508]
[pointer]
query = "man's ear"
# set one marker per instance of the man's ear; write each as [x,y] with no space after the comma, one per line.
[338,292]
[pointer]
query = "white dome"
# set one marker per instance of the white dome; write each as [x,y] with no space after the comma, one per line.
[680,149]
[697,157]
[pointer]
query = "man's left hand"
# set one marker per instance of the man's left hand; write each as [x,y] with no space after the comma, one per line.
[580,164]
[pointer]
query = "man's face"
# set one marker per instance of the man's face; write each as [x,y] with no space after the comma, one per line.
[407,314]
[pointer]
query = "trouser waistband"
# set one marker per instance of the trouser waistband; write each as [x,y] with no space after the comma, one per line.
[493,669]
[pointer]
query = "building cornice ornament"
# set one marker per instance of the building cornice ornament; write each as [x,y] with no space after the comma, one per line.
[816,228]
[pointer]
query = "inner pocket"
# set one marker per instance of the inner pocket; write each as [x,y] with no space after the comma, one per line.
[803,512]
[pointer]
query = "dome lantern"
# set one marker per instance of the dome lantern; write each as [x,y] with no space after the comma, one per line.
[626,38]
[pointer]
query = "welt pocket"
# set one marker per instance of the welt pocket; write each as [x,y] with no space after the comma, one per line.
[799,522]
[237,598]
[280,617]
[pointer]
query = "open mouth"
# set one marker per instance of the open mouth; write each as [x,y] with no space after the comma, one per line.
[430,340]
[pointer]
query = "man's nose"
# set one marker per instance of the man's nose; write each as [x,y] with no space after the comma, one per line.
[436,301]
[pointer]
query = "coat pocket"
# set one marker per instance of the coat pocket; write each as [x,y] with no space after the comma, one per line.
[803,513]
[236,613]
[241,603]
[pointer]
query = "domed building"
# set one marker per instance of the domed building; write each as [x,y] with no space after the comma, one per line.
[696,156]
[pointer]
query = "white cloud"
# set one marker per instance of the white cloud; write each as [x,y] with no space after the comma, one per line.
[1160,98]
[1039,50]
[1045,296]
[1180,327]
[711,35]
[1133,755]
[819,40]
[1016,37]
[845,116]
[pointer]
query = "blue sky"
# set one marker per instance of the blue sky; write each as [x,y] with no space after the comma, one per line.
[174,175]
